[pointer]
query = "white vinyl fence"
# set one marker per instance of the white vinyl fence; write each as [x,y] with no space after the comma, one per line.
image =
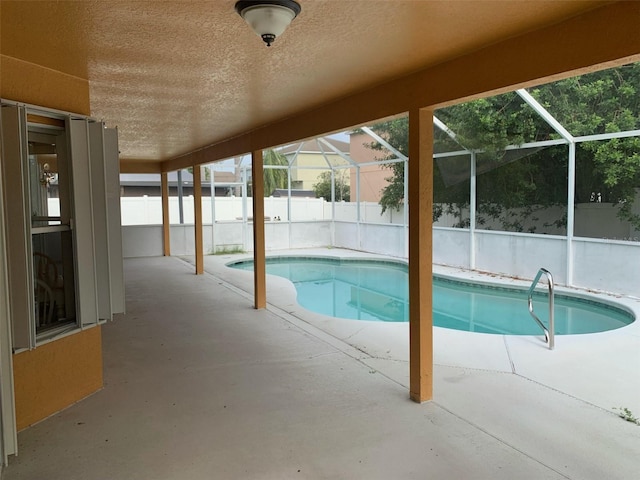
[605,264]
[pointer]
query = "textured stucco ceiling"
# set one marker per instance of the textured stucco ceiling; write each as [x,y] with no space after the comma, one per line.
[175,76]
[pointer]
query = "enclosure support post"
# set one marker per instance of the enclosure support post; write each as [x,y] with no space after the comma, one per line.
[333,207]
[197,213]
[180,198]
[420,255]
[245,220]
[212,187]
[358,218]
[405,208]
[259,269]
[473,196]
[571,200]
[289,203]
[166,243]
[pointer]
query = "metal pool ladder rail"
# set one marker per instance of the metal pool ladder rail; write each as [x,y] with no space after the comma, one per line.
[548,333]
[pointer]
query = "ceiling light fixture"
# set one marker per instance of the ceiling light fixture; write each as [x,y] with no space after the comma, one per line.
[268,18]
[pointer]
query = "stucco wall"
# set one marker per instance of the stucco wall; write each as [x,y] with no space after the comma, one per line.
[606,265]
[372,177]
[521,255]
[56,375]
[146,240]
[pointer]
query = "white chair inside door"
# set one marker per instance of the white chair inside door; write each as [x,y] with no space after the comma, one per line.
[46,270]
[44,302]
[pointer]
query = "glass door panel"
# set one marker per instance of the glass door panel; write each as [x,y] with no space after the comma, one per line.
[51,234]
[54,283]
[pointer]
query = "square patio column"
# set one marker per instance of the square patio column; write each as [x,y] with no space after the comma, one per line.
[166,242]
[197,213]
[420,202]
[259,269]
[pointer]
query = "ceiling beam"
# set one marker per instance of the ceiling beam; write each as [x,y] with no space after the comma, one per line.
[140,166]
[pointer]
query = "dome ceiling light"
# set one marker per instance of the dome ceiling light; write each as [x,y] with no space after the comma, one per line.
[268,18]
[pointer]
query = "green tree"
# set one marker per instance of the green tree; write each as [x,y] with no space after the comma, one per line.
[511,185]
[601,102]
[322,189]
[274,178]
[396,133]
[207,173]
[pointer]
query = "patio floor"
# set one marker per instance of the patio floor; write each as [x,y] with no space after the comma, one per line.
[199,385]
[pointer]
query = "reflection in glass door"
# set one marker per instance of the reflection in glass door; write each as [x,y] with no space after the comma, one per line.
[51,230]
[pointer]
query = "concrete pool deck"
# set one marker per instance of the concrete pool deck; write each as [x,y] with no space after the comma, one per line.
[199,385]
[602,369]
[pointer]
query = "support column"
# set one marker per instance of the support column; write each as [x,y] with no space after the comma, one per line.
[420,255]
[212,187]
[197,213]
[259,269]
[166,242]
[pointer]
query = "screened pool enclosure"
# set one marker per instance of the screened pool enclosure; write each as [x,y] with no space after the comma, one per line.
[548,176]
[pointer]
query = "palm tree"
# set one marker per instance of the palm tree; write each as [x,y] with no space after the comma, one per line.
[274,177]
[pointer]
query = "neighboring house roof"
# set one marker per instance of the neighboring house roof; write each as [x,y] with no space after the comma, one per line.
[311,146]
[153,179]
[282,192]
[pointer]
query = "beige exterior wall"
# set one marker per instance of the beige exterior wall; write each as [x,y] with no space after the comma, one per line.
[372,177]
[56,375]
[309,178]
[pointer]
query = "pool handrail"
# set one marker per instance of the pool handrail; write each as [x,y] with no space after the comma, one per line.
[549,333]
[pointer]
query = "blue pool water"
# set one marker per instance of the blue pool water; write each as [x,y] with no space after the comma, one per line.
[378,290]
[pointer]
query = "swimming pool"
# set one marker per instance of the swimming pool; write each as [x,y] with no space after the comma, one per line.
[378,291]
